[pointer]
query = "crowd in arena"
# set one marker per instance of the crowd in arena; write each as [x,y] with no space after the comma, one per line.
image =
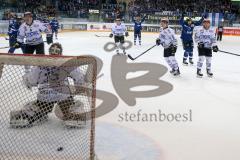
[192,7]
[109,9]
[38,7]
[77,7]
[187,6]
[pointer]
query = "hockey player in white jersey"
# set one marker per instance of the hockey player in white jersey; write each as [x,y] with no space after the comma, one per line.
[169,42]
[206,40]
[30,33]
[53,88]
[119,31]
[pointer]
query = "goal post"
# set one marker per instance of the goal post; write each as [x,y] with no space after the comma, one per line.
[51,137]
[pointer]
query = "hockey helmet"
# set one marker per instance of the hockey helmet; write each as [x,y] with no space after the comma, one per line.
[165,20]
[55,49]
[206,21]
[118,19]
[28,13]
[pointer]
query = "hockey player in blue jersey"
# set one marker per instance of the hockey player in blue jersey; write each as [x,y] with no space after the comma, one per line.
[14,24]
[55,26]
[138,28]
[187,37]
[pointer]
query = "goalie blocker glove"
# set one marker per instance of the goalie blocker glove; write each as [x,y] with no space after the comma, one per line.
[215,48]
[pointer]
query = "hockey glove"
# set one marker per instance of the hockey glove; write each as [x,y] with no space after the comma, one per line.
[158,41]
[111,35]
[49,38]
[200,45]
[215,48]
[173,48]
[17,45]
[126,34]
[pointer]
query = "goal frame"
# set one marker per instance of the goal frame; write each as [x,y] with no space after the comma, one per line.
[57,61]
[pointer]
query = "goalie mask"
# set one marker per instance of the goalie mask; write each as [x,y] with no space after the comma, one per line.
[55,49]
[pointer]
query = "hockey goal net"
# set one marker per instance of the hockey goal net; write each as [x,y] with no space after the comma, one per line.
[50,113]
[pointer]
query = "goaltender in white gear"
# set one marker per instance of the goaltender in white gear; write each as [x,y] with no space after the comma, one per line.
[53,88]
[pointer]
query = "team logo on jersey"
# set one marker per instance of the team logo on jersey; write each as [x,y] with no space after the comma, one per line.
[36,25]
[32,34]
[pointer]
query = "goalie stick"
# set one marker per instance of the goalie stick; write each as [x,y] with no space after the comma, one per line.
[130,57]
[229,53]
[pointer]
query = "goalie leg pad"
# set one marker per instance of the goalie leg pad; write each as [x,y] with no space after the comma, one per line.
[21,119]
[72,113]
[29,116]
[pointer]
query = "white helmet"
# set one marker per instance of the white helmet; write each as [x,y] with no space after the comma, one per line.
[207,20]
[164,19]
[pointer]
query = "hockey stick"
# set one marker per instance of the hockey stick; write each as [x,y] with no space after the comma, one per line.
[229,53]
[4,47]
[100,36]
[23,44]
[130,57]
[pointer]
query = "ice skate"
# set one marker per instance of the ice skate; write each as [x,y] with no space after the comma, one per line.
[199,73]
[172,71]
[209,73]
[191,61]
[185,63]
[176,72]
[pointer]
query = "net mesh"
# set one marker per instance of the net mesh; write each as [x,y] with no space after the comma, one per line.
[47,107]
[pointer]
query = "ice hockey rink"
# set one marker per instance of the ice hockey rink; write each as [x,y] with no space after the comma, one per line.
[214,129]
